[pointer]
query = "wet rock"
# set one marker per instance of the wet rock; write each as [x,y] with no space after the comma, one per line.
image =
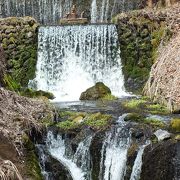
[162,135]
[96,92]
[161,161]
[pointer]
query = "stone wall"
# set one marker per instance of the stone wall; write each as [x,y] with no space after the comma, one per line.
[18,38]
[2,66]
[140,35]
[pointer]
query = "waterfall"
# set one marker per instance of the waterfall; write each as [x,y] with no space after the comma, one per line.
[114,152]
[136,172]
[93,11]
[77,164]
[73,58]
[44,11]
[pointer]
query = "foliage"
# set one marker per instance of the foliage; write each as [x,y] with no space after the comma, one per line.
[157,109]
[68,125]
[11,84]
[175,125]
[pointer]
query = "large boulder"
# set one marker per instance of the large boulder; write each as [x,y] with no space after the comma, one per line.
[2,65]
[161,161]
[95,92]
[164,81]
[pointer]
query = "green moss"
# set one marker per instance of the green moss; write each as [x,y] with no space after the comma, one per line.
[96,121]
[35,94]
[175,125]
[155,123]
[68,125]
[32,165]
[109,97]
[135,117]
[11,84]
[157,109]
[134,103]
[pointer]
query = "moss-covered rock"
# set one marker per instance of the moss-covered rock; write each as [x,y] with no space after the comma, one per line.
[19,41]
[96,92]
[175,125]
[139,37]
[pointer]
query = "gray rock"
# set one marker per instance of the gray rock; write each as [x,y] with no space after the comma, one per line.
[162,135]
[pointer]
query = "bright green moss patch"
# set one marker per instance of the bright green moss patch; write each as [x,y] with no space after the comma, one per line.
[134,103]
[97,120]
[157,109]
[68,125]
[175,125]
[109,97]
[134,117]
[77,120]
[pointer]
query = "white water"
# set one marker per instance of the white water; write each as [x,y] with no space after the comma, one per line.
[94,12]
[45,11]
[78,164]
[114,152]
[136,172]
[73,58]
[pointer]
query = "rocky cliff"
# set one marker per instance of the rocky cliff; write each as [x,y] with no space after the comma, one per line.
[164,81]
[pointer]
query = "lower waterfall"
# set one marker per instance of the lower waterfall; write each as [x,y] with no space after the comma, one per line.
[136,171]
[114,152]
[77,164]
[73,58]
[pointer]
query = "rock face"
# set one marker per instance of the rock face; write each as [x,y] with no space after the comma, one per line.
[2,65]
[161,161]
[96,92]
[18,38]
[164,81]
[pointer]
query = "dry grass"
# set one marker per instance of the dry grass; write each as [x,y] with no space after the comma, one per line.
[8,171]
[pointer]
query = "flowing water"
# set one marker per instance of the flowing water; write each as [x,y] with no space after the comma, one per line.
[114,152]
[73,58]
[44,11]
[77,164]
[136,171]
[51,11]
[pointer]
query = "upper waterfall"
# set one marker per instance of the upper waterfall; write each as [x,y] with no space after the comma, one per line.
[73,58]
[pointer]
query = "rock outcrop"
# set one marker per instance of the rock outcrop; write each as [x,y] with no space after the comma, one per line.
[18,117]
[96,92]
[161,161]
[164,81]
[2,65]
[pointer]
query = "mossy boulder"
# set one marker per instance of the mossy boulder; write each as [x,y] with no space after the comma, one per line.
[100,90]
[175,125]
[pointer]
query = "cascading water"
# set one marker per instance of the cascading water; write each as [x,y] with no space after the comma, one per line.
[44,11]
[136,171]
[77,164]
[73,58]
[94,11]
[114,152]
